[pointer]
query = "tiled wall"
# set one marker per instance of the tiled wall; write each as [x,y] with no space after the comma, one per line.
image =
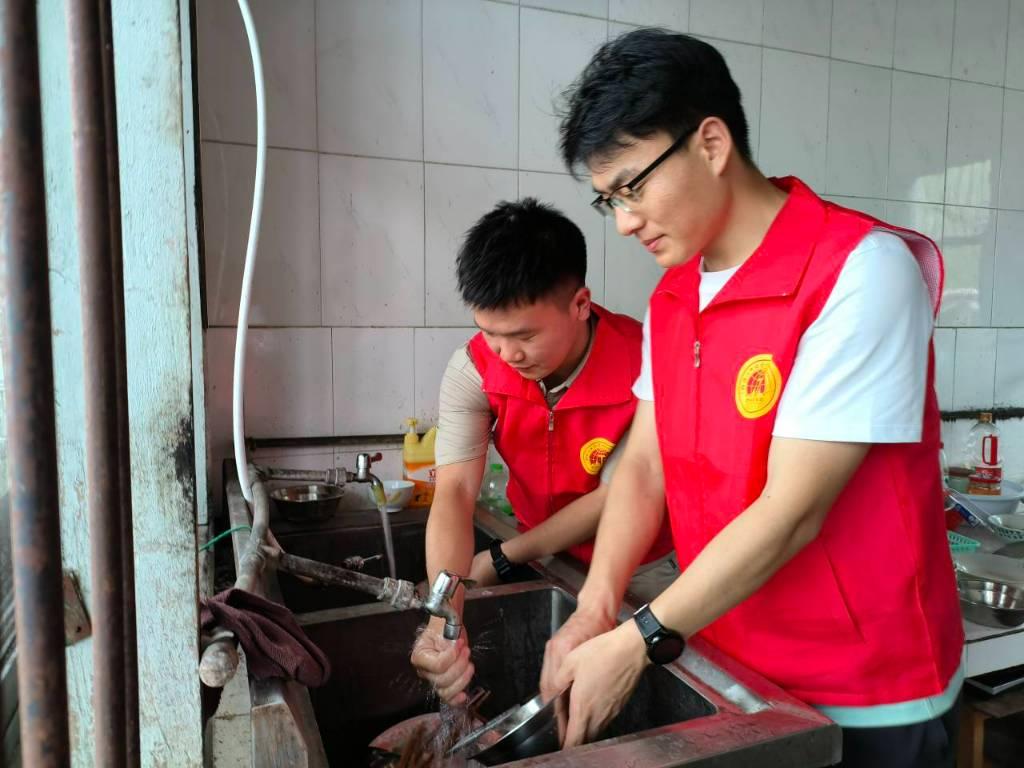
[395,123]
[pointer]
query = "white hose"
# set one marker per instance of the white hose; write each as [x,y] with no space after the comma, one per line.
[238,383]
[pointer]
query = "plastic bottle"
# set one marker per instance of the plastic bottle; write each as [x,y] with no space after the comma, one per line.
[943,464]
[985,456]
[418,463]
[492,489]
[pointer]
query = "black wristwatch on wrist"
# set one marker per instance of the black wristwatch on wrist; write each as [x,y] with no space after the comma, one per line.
[501,563]
[664,645]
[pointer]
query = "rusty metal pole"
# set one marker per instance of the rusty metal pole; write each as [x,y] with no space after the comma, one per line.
[131,667]
[92,203]
[28,364]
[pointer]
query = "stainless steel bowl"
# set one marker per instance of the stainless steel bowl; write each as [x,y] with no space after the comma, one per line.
[991,603]
[528,730]
[316,501]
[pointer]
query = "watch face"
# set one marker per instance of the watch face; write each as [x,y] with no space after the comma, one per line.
[666,649]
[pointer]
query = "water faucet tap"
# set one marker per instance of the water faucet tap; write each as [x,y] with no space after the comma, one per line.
[363,463]
[439,603]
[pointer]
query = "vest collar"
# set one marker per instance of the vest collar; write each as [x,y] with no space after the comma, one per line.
[776,266]
[604,379]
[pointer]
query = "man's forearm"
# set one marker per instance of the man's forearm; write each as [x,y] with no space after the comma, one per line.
[449,539]
[632,516]
[574,523]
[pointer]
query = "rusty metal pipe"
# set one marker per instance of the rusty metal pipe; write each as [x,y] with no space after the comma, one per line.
[88,124]
[131,666]
[219,659]
[28,364]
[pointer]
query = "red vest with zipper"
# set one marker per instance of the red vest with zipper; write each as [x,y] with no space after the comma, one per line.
[868,612]
[555,456]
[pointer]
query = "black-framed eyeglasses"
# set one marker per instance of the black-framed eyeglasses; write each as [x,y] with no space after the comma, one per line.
[628,194]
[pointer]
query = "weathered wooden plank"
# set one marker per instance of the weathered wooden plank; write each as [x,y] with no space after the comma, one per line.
[161,349]
[148,45]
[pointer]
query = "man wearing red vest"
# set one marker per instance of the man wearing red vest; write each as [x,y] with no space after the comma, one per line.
[549,378]
[787,414]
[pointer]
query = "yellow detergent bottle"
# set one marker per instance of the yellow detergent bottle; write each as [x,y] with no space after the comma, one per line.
[418,463]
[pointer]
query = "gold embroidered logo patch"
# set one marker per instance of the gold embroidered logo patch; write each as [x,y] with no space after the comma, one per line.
[757,386]
[593,453]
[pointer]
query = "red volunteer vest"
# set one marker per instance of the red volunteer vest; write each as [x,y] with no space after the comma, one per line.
[555,456]
[868,612]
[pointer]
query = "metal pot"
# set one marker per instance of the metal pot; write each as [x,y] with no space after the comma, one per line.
[314,501]
[991,603]
[528,730]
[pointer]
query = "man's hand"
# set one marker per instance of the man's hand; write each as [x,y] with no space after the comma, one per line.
[603,672]
[443,663]
[482,571]
[580,628]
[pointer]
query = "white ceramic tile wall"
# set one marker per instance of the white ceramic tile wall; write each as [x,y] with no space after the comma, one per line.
[554,48]
[798,25]
[737,20]
[1009,367]
[858,129]
[1008,297]
[286,283]
[968,240]
[456,196]
[794,84]
[1015,46]
[432,348]
[979,43]
[227,96]
[670,14]
[975,367]
[398,122]
[864,30]
[924,36]
[917,138]
[373,379]
[469,92]
[370,77]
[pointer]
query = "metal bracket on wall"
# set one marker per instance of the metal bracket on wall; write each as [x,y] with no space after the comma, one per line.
[77,626]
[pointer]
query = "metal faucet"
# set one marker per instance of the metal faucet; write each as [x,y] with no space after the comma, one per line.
[439,603]
[363,475]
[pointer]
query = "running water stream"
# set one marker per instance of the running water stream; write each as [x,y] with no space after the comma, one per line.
[385,523]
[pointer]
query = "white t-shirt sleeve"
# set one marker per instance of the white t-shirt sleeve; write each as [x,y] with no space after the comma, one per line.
[643,387]
[861,367]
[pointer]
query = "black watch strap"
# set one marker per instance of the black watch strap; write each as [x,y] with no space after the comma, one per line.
[664,645]
[501,563]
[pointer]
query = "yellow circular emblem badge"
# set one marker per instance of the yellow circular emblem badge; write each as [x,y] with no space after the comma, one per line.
[757,386]
[593,453]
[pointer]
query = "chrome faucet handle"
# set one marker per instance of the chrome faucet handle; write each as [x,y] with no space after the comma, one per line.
[444,587]
[439,603]
[363,463]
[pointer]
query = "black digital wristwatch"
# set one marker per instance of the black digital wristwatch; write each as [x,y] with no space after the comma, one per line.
[664,645]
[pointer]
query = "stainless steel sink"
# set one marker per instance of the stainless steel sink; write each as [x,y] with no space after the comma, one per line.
[704,710]
[507,629]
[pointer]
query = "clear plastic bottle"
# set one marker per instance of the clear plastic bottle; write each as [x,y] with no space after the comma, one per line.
[985,457]
[492,490]
[943,464]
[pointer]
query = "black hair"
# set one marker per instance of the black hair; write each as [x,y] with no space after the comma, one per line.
[646,81]
[518,253]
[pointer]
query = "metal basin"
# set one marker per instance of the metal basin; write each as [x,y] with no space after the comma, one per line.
[333,543]
[373,686]
[991,603]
